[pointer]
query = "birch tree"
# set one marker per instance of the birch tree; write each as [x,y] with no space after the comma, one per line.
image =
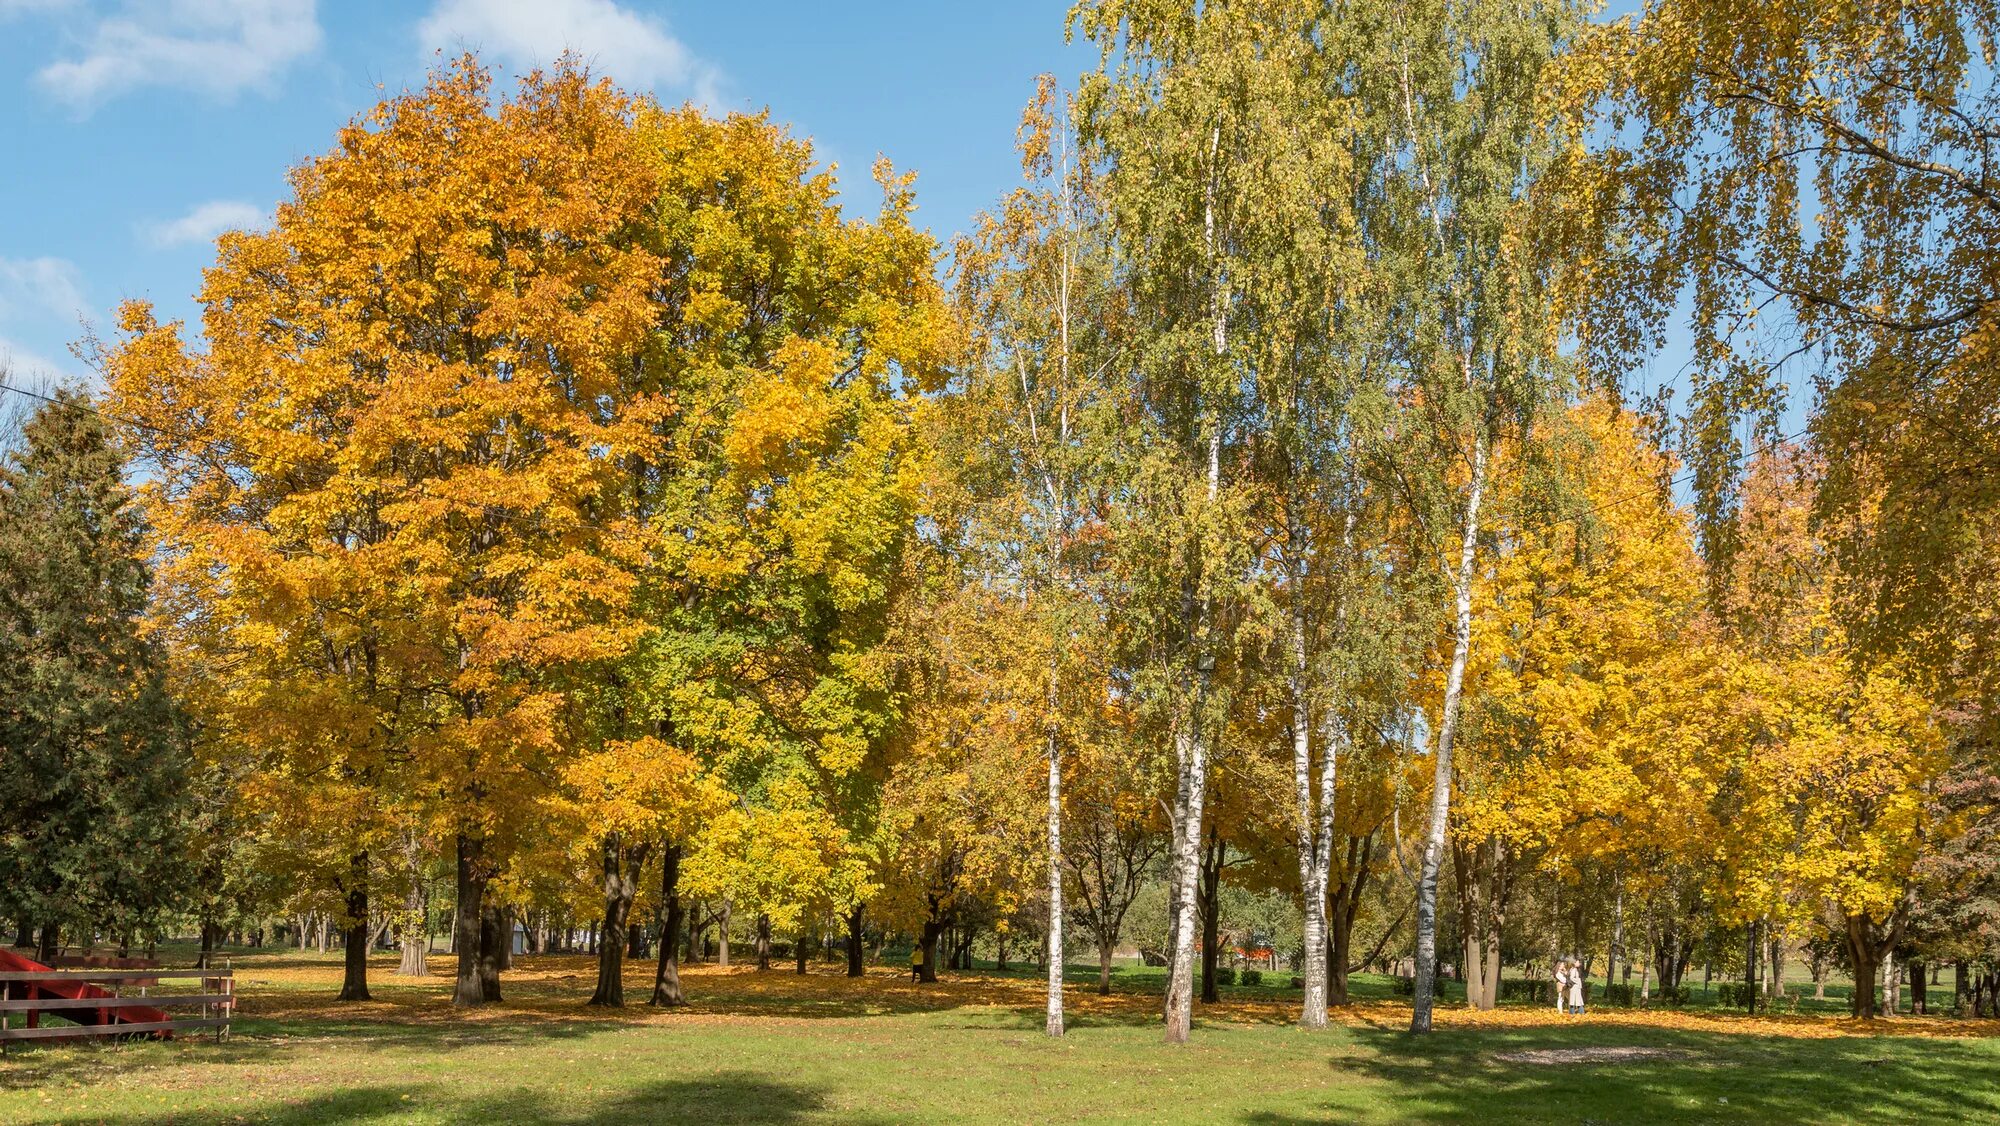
[1036,290]
[1472,337]
[1166,117]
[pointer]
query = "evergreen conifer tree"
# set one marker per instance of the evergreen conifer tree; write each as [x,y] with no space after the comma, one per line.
[92,765]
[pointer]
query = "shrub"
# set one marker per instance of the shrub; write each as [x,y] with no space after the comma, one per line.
[1736,995]
[1672,998]
[1253,977]
[1406,986]
[1624,994]
[1527,989]
[1225,976]
[1298,982]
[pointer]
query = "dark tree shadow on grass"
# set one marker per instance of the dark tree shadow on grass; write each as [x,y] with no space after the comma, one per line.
[1458,1076]
[715,1100]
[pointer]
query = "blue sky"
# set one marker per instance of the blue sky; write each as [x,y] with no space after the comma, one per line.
[136,130]
[132,131]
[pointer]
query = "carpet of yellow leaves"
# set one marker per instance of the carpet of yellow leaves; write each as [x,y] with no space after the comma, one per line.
[553,988]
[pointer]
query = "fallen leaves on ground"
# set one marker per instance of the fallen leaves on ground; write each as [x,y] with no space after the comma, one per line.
[553,988]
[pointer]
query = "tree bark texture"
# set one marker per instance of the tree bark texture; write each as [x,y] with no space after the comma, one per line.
[354,959]
[667,974]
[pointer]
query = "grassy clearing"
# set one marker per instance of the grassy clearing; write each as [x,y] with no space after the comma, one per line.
[774,1047]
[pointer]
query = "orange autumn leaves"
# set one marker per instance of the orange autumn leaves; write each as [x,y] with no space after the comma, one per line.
[504,378]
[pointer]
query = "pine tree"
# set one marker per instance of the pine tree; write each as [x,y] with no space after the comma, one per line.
[92,763]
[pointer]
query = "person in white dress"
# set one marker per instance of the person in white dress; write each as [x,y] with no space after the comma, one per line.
[1576,988]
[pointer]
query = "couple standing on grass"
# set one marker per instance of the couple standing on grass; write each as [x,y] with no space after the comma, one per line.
[1569,986]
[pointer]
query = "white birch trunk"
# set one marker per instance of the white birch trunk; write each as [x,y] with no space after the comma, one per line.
[1054,1025]
[1186,860]
[1617,939]
[1454,685]
[1312,857]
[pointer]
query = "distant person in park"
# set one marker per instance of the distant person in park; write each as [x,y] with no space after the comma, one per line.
[917,962]
[1575,987]
[1562,984]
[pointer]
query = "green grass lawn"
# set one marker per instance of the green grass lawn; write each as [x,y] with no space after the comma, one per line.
[777,1048]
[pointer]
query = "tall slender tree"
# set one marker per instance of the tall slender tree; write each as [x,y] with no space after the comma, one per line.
[1473,342]
[1034,421]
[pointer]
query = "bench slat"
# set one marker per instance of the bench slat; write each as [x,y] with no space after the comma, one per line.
[54,1032]
[163,1001]
[108,975]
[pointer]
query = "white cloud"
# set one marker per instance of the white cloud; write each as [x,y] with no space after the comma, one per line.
[213,46]
[46,287]
[44,296]
[23,368]
[634,50]
[205,222]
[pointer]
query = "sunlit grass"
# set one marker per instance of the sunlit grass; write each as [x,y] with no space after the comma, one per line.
[775,1047]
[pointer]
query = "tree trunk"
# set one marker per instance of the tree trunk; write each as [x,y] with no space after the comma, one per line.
[799,951]
[722,935]
[1435,832]
[24,933]
[1190,791]
[1211,914]
[1493,923]
[1958,969]
[1750,970]
[763,941]
[1313,822]
[1617,950]
[1343,909]
[1892,983]
[1774,964]
[619,890]
[472,879]
[1103,968]
[1052,1022]
[51,944]
[1468,863]
[354,969]
[667,975]
[415,937]
[494,941]
[1340,948]
[1919,993]
[697,935]
[854,967]
[933,929]
[1861,954]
